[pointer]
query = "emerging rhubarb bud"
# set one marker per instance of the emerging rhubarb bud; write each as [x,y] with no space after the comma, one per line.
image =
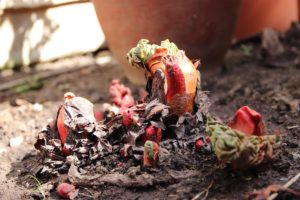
[248,121]
[66,190]
[120,95]
[203,144]
[151,151]
[181,85]
[98,115]
[140,54]
[153,133]
[129,117]
[239,150]
[199,144]
[179,71]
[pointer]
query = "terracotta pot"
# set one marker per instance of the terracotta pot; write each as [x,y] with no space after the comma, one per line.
[257,14]
[201,27]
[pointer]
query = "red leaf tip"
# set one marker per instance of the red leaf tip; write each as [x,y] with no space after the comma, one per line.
[65,190]
[248,121]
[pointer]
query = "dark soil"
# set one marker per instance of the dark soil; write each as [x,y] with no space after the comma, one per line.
[244,79]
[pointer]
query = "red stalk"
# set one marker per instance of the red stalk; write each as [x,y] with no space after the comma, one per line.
[174,76]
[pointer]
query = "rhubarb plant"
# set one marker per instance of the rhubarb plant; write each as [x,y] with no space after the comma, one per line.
[238,149]
[178,72]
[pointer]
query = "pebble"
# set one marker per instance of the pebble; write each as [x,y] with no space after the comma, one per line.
[3,150]
[37,107]
[295,105]
[103,60]
[296,156]
[16,141]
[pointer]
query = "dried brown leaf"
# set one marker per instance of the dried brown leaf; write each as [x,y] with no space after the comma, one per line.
[73,173]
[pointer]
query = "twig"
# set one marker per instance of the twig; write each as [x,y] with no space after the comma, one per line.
[203,192]
[111,122]
[86,195]
[288,184]
[293,127]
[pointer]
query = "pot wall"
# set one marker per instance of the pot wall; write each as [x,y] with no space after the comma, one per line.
[257,14]
[201,27]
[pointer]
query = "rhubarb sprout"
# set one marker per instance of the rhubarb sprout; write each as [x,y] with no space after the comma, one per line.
[143,51]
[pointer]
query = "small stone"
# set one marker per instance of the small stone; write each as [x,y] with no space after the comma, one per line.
[3,150]
[296,156]
[103,60]
[37,107]
[16,141]
[295,105]
[247,92]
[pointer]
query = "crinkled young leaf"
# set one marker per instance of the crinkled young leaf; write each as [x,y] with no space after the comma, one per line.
[237,149]
[170,46]
[144,50]
[141,52]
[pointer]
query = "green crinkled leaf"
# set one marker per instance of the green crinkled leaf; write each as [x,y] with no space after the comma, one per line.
[233,147]
[143,51]
[172,48]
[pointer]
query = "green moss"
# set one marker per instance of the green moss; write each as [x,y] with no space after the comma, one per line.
[31,84]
